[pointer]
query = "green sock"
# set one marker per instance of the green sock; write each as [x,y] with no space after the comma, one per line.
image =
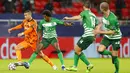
[84,59]
[60,55]
[76,59]
[33,56]
[106,52]
[116,63]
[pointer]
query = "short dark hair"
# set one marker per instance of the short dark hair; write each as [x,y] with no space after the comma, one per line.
[87,4]
[47,13]
[28,11]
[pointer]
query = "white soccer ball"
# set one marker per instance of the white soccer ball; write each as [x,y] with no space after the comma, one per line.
[11,66]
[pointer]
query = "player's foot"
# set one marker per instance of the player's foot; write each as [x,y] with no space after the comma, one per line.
[54,67]
[72,69]
[18,64]
[26,65]
[63,67]
[116,72]
[89,67]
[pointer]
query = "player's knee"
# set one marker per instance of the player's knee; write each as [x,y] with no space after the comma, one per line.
[100,51]
[77,52]
[41,54]
[101,48]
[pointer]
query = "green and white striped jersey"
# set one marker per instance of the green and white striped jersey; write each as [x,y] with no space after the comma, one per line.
[49,28]
[89,22]
[111,23]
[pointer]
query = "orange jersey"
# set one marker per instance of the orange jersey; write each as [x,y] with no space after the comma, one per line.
[30,31]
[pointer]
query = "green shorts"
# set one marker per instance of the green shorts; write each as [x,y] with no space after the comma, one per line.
[114,42]
[47,41]
[84,42]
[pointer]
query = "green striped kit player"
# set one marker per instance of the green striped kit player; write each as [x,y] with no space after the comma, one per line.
[112,34]
[47,29]
[89,23]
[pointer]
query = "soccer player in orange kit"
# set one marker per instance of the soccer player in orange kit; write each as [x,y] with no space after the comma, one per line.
[30,38]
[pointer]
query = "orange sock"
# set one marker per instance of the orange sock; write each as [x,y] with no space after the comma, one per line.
[18,54]
[45,58]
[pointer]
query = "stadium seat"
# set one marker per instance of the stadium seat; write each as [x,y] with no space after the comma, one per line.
[125,13]
[127,1]
[63,10]
[128,5]
[75,11]
[69,11]
[77,4]
[19,7]
[43,3]
[113,1]
[94,10]
[39,6]
[1,8]
[112,5]
[80,9]
[57,10]
[56,4]
[80,4]
[45,0]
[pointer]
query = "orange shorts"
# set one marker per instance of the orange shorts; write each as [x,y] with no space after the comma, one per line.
[28,45]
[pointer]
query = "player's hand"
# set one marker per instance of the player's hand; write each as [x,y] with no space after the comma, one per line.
[68,24]
[20,34]
[9,30]
[66,18]
[96,31]
[111,32]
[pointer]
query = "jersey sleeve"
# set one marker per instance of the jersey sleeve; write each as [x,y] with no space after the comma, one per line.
[81,14]
[40,26]
[18,26]
[59,21]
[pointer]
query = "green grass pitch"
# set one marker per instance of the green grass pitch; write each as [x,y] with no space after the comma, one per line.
[40,66]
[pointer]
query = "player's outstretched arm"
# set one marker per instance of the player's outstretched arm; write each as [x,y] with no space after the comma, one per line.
[99,31]
[15,28]
[72,18]
[26,31]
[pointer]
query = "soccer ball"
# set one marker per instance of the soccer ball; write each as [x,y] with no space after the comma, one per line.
[11,66]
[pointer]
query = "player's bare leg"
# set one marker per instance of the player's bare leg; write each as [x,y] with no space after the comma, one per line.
[45,58]
[80,54]
[60,55]
[33,56]
[102,50]
[18,49]
[18,52]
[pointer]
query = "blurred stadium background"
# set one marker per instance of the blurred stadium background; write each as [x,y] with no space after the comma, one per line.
[11,14]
